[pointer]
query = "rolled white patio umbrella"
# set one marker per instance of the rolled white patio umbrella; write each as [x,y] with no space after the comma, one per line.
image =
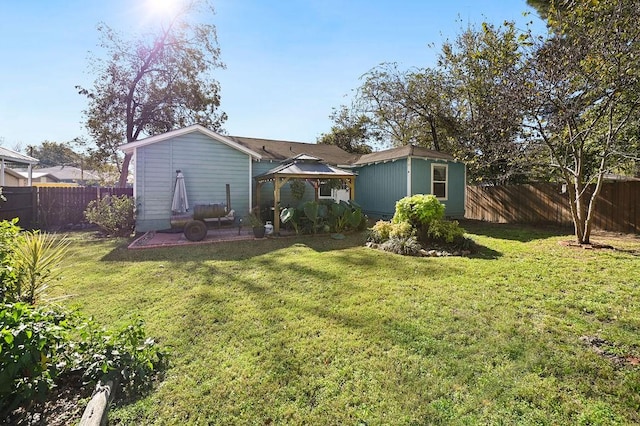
[180,204]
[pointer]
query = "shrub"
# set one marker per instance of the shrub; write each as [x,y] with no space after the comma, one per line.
[8,236]
[40,345]
[379,233]
[32,353]
[445,230]
[419,210]
[383,230]
[128,357]
[401,230]
[114,215]
[404,246]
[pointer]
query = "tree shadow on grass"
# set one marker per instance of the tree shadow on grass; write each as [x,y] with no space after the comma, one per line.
[515,232]
[232,250]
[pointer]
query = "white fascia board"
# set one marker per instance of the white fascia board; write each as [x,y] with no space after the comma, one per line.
[131,146]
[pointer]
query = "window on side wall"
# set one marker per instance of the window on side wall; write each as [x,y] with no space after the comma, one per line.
[324,190]
[439,184]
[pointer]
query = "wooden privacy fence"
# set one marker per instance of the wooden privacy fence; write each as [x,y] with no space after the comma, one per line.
[20,202]
[52,207]
[617,208]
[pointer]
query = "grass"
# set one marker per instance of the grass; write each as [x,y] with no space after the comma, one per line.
[318,331]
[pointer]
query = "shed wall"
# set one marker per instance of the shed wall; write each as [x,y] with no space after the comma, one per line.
[379,186]
[208,165]
[421,184]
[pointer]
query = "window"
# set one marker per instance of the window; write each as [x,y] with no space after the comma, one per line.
[324,191]
[439,180]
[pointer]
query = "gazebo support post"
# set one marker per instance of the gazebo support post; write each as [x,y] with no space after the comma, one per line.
[352,188]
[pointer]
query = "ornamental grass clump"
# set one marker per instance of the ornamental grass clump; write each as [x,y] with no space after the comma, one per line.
[37,260]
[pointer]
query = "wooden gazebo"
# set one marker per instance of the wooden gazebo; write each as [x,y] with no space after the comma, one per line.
[306,167]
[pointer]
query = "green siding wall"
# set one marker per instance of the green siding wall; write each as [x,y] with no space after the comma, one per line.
[421,184]
[207,165]
[379,186]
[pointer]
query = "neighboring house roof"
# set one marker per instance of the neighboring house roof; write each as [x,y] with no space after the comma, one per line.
[36,174]
[16,157]
[303,164]
[69,173]
[281,150]
[402,152]
[128,148]
[14,173]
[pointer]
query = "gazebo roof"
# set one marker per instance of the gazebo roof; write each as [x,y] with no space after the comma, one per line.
[305,166]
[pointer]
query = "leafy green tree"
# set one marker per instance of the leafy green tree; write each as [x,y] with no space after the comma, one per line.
[154,83]
[486,69]
[55,154]
[408,106]
[353,133]
[584,97]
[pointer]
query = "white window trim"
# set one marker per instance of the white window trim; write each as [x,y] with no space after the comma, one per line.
[324,197]
[446,181]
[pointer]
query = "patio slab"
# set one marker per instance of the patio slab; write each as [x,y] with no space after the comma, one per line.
[153,239]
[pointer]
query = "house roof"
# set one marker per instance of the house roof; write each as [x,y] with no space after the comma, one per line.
[402,152]
[16,157]
[306,165]
[13,173]
[69,173]
[281,150]
[131,146]
[35,174]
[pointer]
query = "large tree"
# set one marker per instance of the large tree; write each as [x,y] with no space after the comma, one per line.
[154,83]
[486,70]
[408,106]
[55,154]
[585,97]
[351,132]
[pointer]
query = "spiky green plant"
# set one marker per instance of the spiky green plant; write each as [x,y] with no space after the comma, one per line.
[38,256]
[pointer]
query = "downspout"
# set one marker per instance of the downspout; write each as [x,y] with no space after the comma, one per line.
[250,184]
[409,177]
[30,172]
[2,173]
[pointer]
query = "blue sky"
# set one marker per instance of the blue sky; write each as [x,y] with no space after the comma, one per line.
[288,62]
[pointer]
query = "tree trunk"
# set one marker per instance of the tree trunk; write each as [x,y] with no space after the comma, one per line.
[124,173]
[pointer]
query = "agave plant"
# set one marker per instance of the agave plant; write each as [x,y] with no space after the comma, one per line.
[38,257]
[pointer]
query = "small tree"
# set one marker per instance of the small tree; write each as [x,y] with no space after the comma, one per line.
[584,98]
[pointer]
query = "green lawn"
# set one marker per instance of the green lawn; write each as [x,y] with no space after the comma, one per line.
[318,331]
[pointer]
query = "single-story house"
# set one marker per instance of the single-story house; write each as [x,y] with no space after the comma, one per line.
[261,170]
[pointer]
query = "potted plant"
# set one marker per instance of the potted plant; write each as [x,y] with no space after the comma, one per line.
[256,224]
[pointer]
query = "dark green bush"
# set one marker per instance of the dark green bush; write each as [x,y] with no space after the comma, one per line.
[40,346]
[33,353]
[8,273]
[324,216]
[114,215]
